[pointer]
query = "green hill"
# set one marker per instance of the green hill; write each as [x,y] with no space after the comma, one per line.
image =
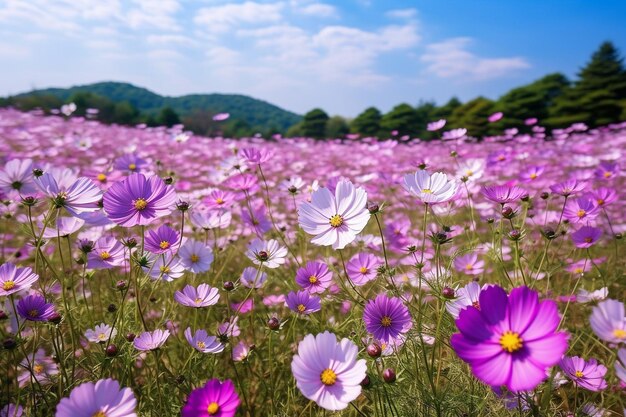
[255,113]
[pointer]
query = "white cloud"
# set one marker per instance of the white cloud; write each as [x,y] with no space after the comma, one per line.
[451,58]
[219,19]
[318,10]
[402,13]
[172,39]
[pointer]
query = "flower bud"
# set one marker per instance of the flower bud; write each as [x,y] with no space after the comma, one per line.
[448,293]
[229,286]
[273,323]
[374,350]
[111,350]
[389,375]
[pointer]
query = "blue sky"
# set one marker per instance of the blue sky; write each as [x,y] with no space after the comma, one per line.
[342,56]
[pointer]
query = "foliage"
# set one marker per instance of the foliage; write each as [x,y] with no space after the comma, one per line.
[314,124]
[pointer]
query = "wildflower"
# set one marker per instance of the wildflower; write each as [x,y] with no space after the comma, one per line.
[315,277]
[582,209]
[469,264]
[130,163]
[607,170]
[167,267]
[303,303]
[620,365]
[335,219]
[386,318]
[195,256]
[603,196]
[11,410]
[203,296]
[586,236]
[268,253]
[39,368]
[362,268]
[218,199]
[101,334]
[511,340]
[103,399]
[151,340]
[503,194]
[454,134]
[252,278]
[81,196]
[215,398]
[531,173]
[202,342]
[257,220]
[65,226]
[106,253]
[17,177]
[327,371]
[35,308]
[434,126]
[588,375]
[256,156]
[608,321]
[569,187]
[137,200]
[161,240]
[430,188]
[14,279]
[240,351]
[495,117]
[468,296]
[214,219]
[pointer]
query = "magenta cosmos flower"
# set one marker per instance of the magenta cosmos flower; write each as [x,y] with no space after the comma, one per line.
[503,193]
[17,176]
[315,277]
[161,240]
[363,268]
[335,219]
[138,200]
[14,279]
[386,318]
[82,196]
[104,398]
[469,264]
[434,126]
[35,308]
[588,375]
[302,302]
[586,236]
[608,321]
[203,296]
[582,209]
[151,340]
[327,371]
[430,188]
[214,399]
[107,253]
[511,340]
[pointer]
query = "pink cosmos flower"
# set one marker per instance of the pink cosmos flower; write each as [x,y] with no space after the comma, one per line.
[469,264]
[362,268]
[588,375]
[203,296]
[586,236]
[434,126]
[14,279]
[104,398]
[431,188]
[581,210]
[81,196]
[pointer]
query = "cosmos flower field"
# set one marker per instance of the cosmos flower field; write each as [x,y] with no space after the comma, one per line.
[150,272]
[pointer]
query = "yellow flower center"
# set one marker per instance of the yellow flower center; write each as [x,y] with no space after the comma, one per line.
[581,213]
[363,270]
[600,202]
[313,279]
[164,244]
[476,305]
[99,414]
[213,408]
[588,240]
[336,220]
[328,377]
[201,345]
[219,200]
[469,173]
[8,285]
[194,258]
[164,269]
[533,176]
[38,368]
[198,300]
[607,174]
[101,177]
[578,270]
[385,321]
[104,255]
[579,374]
[511,341]
[469,267]
[301,308]
[427,191]
[619,333]
[102,336]
[132,167]
[33,313]
[140,204]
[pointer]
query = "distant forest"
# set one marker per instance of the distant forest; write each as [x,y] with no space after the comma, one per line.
[597,97]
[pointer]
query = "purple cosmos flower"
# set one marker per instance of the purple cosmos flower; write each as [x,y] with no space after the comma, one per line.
[256,156]
[215,398]
[221,116]
[363,268]
[454,134]
[386,318]
[257,220]
[434,126]
[584,296]
[35,308]
[531,173]
[137,200]
[464,297]
[252,277]
[203,296]
[38,369]
[107,253]
[196,256]
[569,187]
[267,253]
[218,199]
[65,226]
[11,410]
[14,279]
[81,196]
[620,366]
[202,342]
[511,340]
[302,302]
[315,277]
[589,375]
[603,196]
[151,340]
[586,236]
[327,371]
[17,176]
[214,219]
[607,170]
[503,194]
[608,321]
[469,264]
[101,334]
[161,240]
[104,398]
[166,267]
[582,209]
[495,117]
[335,219]
[430,188]
[240,351]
